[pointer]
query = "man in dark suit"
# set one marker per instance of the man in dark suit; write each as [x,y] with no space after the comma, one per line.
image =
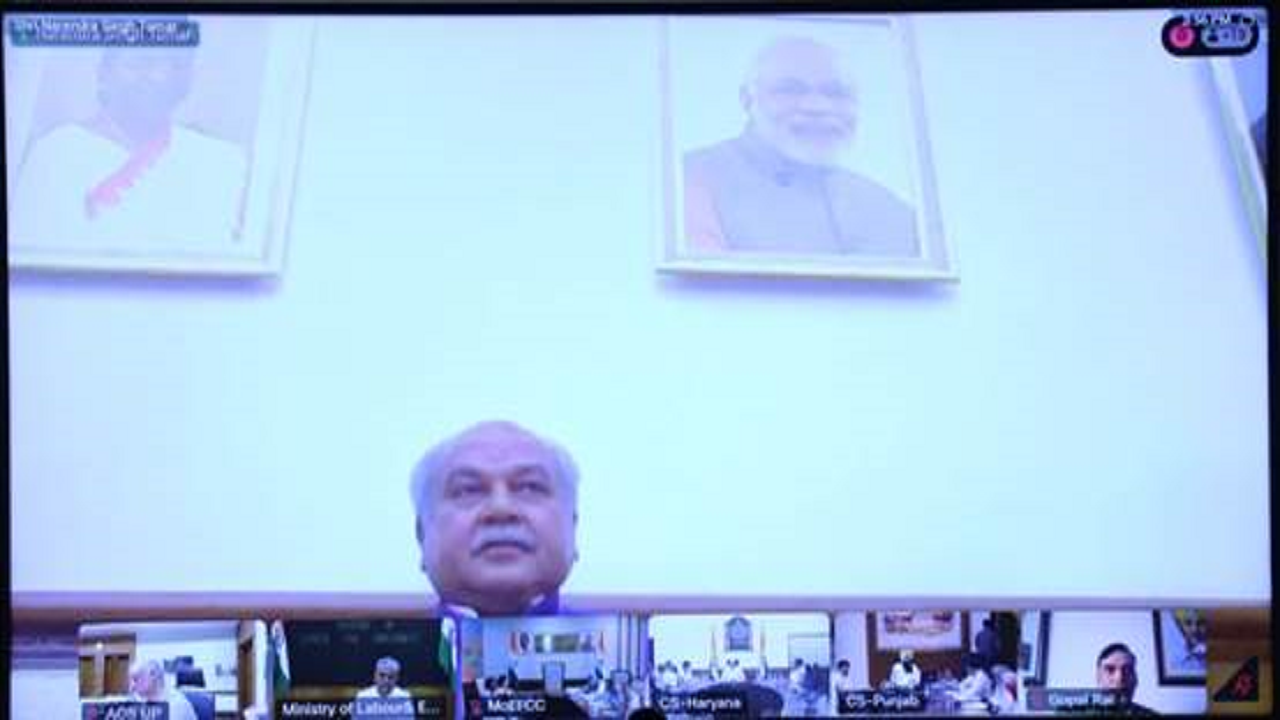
[987,645]
[1117,670]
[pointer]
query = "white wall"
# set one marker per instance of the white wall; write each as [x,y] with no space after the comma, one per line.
[851,643]
[473,236]
[260,699]
[1076,638]
[44,694]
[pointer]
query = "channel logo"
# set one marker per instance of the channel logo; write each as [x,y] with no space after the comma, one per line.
[1205,33]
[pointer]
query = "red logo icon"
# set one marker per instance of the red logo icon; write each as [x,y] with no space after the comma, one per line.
[1182,37]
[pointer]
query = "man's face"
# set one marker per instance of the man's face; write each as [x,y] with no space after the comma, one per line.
[801,103]
[141,89]
[1117,672]
[142,684]
[500,531]
[385,679]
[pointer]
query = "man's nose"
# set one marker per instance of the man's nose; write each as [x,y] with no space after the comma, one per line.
[816,101]
[500,504]
[813,100]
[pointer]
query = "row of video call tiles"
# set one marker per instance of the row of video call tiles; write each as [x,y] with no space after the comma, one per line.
[677,665]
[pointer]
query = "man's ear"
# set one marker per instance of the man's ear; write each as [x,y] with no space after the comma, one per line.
[422,550]
[575,536]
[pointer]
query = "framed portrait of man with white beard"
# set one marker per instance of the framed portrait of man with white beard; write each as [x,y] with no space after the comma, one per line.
[797,145]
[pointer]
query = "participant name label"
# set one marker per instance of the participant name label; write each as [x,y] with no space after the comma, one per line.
[57,30]
[876,701]
[124,711]
[1065,700]
[727,703]
[389,709]
[523,706]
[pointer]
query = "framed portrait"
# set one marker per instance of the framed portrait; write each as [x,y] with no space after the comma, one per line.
[918,630]
[1033,647]
[1239,87]
[1181,646]
[173,155]
[796,146]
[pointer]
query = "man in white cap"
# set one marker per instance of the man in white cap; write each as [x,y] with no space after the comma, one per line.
[905,674]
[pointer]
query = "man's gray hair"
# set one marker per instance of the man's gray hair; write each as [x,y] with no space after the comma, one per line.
[388,664]
[151,668]
[428,473]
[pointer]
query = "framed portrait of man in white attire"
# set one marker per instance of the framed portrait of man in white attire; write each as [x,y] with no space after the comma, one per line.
[157,144]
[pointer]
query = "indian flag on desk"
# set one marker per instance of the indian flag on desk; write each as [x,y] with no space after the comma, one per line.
[278,661]
[446,650]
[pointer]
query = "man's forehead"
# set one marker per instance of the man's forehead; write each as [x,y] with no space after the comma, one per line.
[1119,657]
[147,58]
[497,447]
[800,58]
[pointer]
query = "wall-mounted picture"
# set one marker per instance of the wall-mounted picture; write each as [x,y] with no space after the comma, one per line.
[797,146]
[918,630]
[522,642]
[1240,89]
[1181,646]
[173,157]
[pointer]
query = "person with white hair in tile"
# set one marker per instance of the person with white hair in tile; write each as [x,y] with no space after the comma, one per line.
[147,684]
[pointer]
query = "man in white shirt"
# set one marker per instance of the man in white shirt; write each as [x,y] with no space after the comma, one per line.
[686,675]
[843,680]
[1004,690]
[733,672]
[384,700]
[669,678]
[976,686]
[905,674]
[386,676]
[795,681]
[132,175]
[146,684]
[841,683]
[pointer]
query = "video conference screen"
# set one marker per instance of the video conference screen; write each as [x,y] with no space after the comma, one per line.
[758,336]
